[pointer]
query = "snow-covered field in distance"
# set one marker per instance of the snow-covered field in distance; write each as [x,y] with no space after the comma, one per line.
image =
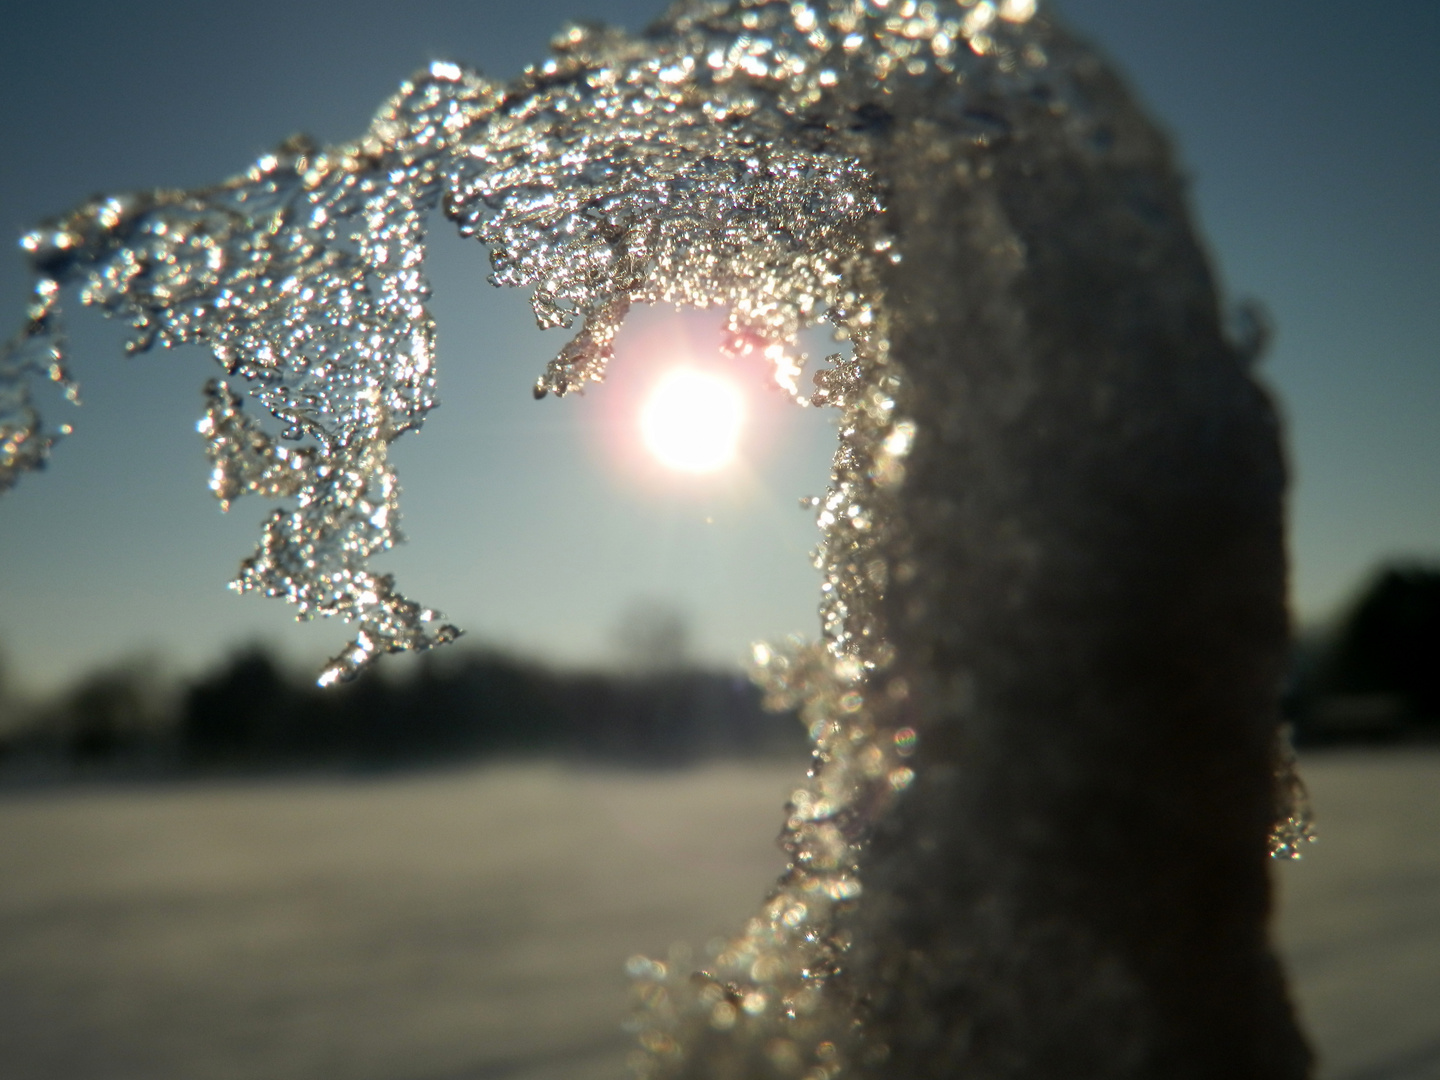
[473,924]
[1360,914]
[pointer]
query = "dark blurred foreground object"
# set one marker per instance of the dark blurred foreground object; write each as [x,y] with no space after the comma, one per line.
[1377,676]
[1090,629]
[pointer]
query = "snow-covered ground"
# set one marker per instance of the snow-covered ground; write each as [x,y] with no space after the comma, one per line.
[472,925]
[1360,915]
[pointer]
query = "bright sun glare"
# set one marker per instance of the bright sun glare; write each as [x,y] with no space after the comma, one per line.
[691,421]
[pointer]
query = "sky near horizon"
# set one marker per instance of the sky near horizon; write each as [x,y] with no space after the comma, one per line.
[1311,131]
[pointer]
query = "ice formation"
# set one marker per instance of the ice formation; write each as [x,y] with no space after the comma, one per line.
[720,159]
[716,160]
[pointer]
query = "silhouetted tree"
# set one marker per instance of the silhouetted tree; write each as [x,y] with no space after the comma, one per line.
[1386,650]
[250,713]
[653,636]
[246,708]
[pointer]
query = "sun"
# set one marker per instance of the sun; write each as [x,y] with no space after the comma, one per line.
[691,421]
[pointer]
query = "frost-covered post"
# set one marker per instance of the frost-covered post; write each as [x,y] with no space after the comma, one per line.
[1033,841]
[1084,567]
[1093,621]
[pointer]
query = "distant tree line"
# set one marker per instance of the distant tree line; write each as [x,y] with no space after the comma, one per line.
[1376,673]
[1373,675]
[250,712]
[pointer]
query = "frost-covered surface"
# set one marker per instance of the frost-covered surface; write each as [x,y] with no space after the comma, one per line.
[721,159]
[714,161]
[303,276]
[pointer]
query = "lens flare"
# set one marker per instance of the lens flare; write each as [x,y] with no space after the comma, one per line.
[691,421]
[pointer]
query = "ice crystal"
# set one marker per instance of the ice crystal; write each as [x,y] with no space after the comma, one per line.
[716,160]
[303,277]
[1294,826]
[720,159]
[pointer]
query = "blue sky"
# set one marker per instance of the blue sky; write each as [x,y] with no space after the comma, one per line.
[1311,131]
